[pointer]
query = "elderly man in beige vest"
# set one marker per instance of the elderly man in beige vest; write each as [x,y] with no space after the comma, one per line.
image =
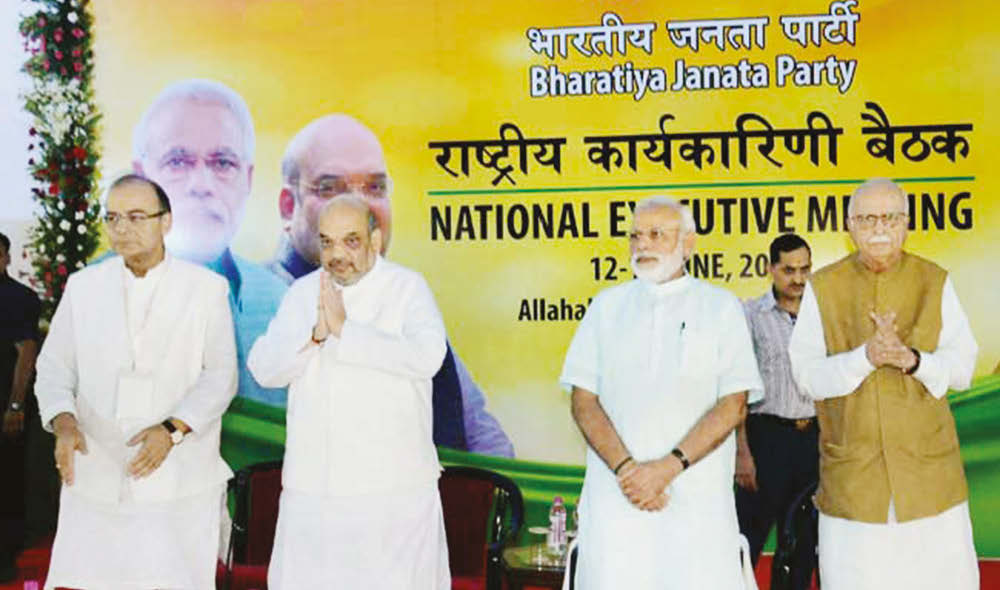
[880,339]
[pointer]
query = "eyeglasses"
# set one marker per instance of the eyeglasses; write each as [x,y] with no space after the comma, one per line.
[132,217]
[655,235]
[371,185]
[894,219]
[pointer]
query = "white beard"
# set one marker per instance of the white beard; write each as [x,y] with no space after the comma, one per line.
[665,267]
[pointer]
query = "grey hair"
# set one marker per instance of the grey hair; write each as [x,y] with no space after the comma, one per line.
[199,90]
[662,201]
[874,186]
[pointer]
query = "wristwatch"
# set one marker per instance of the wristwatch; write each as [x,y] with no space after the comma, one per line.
[16,406]
[176,436]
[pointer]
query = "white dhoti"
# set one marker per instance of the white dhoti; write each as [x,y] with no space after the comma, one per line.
[692,544]
[391,541]
[928,553]
[171,545]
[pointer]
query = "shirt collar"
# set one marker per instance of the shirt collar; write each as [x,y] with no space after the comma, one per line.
[768,301]
[154,273]
[668,287]
[225,265]
[293,262]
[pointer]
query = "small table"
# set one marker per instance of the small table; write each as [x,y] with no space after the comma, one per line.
[521,567]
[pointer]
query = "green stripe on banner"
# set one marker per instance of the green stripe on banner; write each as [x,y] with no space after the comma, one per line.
[254,432]
[686,185]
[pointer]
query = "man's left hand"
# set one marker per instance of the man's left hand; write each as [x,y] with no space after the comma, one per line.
[156,445]
[645,485]
[331,304]
[13,423]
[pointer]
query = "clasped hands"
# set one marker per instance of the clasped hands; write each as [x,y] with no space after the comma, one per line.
[330,313]
[156,445]
[645,484]
[884,348]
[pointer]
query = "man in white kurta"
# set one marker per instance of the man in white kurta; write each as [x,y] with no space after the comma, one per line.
[660,369]
[357,342]
[902,546]
[134,376]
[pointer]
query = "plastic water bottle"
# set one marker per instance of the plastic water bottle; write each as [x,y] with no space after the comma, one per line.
[557,526]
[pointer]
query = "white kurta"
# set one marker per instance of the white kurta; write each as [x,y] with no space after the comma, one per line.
[359,451]
[934,552]
[173,326]
[659,357]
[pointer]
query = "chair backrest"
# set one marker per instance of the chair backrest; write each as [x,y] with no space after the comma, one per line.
[797,535]
[482,511]
[257,490]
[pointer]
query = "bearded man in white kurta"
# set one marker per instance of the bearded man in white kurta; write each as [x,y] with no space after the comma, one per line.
[357,341]
[135,374]
[660,369]
[880,338]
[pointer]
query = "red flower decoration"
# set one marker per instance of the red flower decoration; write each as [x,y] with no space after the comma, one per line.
[58,54]
[78,152]
[62,71]
[48,277]
[77,52]
[57,35]
[77,32]
[77,66]
[41,21]
[45,65]
[62,269]
[54,188]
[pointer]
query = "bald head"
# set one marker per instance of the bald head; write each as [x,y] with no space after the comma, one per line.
[331,156]
[881,188]
[349,238]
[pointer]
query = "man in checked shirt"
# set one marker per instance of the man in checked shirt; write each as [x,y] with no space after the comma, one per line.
[776,456]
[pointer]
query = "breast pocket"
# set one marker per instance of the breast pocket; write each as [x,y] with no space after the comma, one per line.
[698,352]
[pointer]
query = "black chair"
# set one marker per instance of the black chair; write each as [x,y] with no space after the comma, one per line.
[800,525]
[483,511]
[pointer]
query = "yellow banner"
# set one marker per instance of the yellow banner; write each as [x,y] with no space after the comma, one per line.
[517,134]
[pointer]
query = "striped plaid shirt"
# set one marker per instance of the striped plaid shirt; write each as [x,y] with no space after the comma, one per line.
[771,329]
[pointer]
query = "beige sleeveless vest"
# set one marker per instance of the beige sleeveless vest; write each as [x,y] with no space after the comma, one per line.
[889,437]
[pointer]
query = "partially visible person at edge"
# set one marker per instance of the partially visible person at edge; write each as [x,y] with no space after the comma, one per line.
[335,155]
[880,338]
[18,348]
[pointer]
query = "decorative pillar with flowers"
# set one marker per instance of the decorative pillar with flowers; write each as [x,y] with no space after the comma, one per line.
[63,150]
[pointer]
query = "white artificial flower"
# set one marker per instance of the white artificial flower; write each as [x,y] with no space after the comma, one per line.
[60,205]
[60,258]
[71,17]
[60,239]
[79,264]
[80,215]
[64,225]
[81,229]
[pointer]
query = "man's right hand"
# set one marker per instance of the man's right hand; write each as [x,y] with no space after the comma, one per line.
[69,439]
[746,471]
